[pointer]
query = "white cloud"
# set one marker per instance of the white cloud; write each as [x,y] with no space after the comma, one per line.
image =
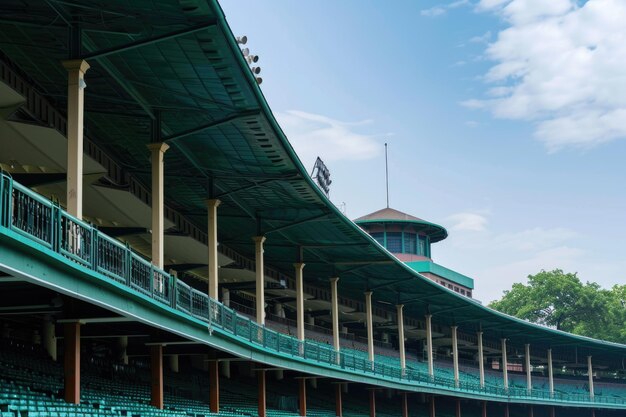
[314,135]
[443,9]
[561,66]
[484,38]
[468,222]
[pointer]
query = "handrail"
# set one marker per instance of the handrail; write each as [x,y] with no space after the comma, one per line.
[29,214]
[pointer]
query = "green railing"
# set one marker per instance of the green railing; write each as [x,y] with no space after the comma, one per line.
[24,212]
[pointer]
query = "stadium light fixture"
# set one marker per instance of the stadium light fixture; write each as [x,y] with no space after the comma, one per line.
[252,58]
[255,70]
[242,40]
[245,52]
[259,80]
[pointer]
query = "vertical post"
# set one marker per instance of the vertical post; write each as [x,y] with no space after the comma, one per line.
[590,371]
[157,151]
[481,360]
[400,314]
[260,279]
[76,69]
[529,381]
[429,345]
[550,373]
[72,362]
[212,205]
[299,266]
[531,411]
[173,361]
[49,337]
[214,387]
[370,326]
[405,405]
[338,405]
[458,408]
[431,408]
[261,394]
[505,365]
[455,354]
[484,410]
[506,410]
[372,397]
[156,362]
[552,411]
[335,314]
[302,396]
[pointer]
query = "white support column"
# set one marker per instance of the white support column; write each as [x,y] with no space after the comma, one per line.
[429,345]
[590,371]
[49,337]
[260,279]
[157,151]
[370,326]
[335,313]
[212,205]
[550,373]
[529,381]
[455,354]
[76,70]
[400,313]
[299,266]
[505,365]
[481,360]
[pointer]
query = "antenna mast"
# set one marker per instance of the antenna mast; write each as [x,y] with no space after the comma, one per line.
[387,174]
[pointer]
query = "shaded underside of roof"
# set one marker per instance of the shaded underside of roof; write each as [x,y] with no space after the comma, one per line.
[177,61]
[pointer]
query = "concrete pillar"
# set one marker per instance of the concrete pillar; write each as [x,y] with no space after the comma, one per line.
[122,343]
[334,297]
[481,360]
[49,338]
[212,205]
[400,314]
[405,405]
[157,151]
[260,279]
[76,70]
[226,296]
[310,320]
[313,383]
[529,381]
[552,411]
[550,373]
[225,369]
[156,367]
[372,398]
[484,409]
[505,365]
[531,411]
[299,266]
[338,405]
[506,410]
[302,396]
[590,371]
[173,362]
[455,355]
[457,410]
[261,393]
[214,387]
[370,326]
[72,362]
[429,345]
[431,407]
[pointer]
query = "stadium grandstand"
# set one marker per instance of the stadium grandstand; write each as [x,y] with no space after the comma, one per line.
[163,252]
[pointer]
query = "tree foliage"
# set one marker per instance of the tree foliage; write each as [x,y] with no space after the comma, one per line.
[560,300]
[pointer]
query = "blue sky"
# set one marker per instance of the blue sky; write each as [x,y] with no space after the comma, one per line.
[505,121]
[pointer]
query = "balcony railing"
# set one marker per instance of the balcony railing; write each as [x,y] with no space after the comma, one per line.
[30,215]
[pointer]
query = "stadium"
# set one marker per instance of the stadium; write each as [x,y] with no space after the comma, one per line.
[164,252]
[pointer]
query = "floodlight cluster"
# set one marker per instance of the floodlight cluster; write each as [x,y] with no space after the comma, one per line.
[250,59]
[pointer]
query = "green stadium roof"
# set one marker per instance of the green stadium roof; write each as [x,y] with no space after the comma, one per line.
[178,61]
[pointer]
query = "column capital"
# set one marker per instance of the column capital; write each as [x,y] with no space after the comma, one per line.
[399,306]
[299,265]
[454,327]
[368,293]
[158,146]
[213,202]
[428,316]
[76,65]
[259,239]
[334,279]
[480,332]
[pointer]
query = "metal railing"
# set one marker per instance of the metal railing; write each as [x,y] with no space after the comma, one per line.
[28,214]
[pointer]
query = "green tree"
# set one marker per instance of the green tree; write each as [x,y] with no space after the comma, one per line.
[560,300]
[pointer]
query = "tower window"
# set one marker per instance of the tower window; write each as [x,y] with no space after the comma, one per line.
[394,242]
[379,236]
[410,243]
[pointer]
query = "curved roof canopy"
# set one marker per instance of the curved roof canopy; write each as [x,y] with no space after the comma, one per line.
[388,215]
[166,70]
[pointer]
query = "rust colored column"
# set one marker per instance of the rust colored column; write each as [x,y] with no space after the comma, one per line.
[302,396]
[372,403]
[405,405]
[458,408]
[338,406]
[72,362]
[484,414]
[156,366]
[261,395]
[214,387]
[431,408]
